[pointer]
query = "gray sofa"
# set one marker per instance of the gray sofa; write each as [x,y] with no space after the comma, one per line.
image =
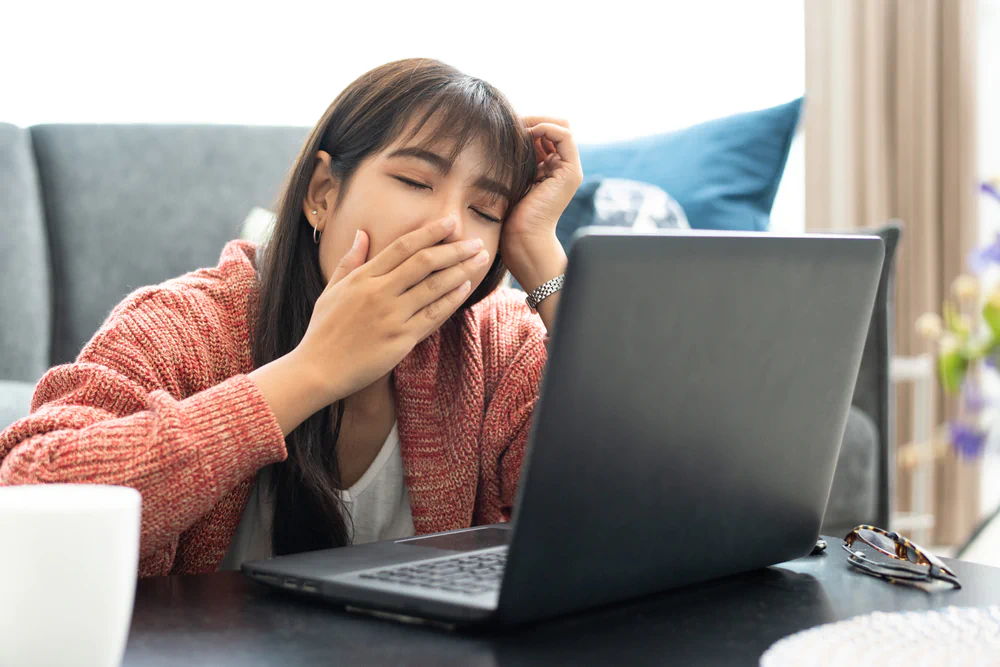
[90,212]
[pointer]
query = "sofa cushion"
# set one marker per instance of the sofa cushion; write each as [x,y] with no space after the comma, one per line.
[25,298]
[724,173]
[133,205]
[853,497]
[15,401]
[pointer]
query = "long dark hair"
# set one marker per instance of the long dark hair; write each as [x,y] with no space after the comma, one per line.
[368,116]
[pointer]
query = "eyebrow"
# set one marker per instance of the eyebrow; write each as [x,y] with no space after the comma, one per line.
[444,165]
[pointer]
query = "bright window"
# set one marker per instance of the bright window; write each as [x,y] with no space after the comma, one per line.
[619,70]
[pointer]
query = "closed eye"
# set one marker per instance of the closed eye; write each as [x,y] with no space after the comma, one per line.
[412,184]
[489,218]
[421,186]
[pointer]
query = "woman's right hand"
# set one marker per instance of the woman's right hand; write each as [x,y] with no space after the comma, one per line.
[372,313]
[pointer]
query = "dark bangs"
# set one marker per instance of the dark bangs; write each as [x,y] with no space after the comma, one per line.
[472,110]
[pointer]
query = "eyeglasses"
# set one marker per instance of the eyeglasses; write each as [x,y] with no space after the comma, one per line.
[895,558]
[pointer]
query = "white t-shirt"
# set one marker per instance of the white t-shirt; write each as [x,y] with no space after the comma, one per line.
[378,504]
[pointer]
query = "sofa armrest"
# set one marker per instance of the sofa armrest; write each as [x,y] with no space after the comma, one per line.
[15,401]
[873,394]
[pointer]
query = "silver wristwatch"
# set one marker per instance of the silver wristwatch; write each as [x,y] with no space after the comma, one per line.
[543,291]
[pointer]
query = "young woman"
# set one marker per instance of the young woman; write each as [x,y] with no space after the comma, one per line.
[362,375]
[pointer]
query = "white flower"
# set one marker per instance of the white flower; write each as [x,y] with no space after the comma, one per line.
[929,326]
[948,343]
[965,288]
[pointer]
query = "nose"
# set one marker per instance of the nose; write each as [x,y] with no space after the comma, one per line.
[458,232]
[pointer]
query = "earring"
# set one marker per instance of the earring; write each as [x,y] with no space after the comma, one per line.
[316,233]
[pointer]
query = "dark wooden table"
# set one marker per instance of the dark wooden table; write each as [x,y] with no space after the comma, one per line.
[226,619]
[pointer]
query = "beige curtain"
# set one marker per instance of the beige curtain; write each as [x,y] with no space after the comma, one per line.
[890,133]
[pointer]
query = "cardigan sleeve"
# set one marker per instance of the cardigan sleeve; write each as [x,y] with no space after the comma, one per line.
[519,357]
[109,418]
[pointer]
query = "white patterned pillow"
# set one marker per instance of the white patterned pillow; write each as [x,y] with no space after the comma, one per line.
[642,206]
[258,224]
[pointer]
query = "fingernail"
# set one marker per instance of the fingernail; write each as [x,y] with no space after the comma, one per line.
[482,258]
[472,245]
[357,239]
[448,224]
[466,286]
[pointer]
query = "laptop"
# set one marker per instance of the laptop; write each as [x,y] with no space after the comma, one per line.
[690,418]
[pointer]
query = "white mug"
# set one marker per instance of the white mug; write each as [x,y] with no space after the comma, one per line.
[69,558]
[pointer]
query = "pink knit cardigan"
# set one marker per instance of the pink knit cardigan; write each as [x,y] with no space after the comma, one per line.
[159,400]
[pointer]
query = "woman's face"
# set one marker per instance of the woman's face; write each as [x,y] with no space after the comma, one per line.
[400,190]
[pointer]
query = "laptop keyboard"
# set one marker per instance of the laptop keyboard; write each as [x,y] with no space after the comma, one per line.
[471,574]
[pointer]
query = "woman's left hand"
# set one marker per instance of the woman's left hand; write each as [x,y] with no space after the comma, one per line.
[528,242]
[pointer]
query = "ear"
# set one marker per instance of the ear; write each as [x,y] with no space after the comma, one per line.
[321,194]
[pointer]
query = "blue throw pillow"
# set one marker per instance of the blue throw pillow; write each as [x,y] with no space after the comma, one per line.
[724,173]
